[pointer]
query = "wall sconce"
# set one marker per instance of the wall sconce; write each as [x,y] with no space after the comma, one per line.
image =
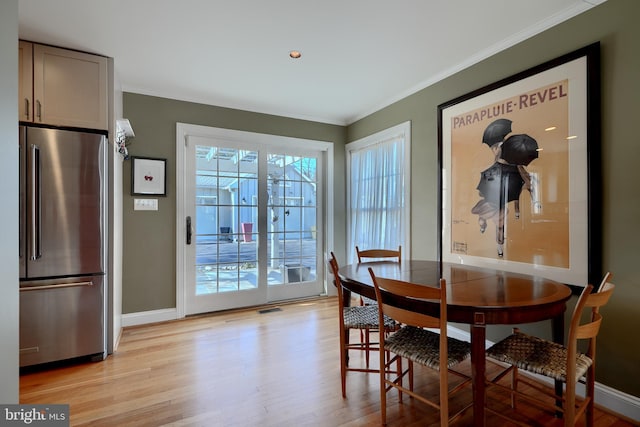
[124,131]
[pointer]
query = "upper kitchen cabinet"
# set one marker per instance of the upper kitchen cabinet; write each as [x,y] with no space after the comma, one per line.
[68,88]
[25,84]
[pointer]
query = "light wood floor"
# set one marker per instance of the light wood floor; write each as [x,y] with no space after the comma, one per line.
[238,369]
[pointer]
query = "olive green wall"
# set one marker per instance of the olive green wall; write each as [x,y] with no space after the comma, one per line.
[615,25]
[149,237]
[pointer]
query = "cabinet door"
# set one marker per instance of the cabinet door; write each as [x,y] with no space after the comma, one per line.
[70,88]
[25,84]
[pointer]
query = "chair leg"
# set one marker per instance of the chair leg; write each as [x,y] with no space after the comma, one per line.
[362,336]
[590,394]
[399,374]
[344,360]
[444,403]
[570,406]
[383,387]
[367,341]
[411,375]
[514,386]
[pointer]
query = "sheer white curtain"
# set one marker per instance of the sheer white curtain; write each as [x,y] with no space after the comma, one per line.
[378,191]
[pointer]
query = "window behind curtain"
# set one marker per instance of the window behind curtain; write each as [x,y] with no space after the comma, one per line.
[378,191]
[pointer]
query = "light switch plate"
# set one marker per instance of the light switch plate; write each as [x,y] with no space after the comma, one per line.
[145,204]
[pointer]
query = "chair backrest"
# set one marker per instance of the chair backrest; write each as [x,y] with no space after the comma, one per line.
[389,290]
[592,300]
[379,253]
[605,279]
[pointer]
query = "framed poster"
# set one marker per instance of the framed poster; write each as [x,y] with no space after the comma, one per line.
[148,176]
[520,162]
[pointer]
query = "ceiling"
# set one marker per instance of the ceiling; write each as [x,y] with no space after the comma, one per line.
[357,55]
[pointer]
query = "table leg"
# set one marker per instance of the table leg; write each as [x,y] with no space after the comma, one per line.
[346,297]
[478,367]
[557,334]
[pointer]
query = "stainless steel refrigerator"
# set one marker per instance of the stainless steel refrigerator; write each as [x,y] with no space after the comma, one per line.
[62,254]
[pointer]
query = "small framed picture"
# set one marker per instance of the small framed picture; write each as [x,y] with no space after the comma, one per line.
[148,176]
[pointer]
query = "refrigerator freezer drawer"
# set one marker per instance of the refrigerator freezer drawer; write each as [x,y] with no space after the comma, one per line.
[61,320]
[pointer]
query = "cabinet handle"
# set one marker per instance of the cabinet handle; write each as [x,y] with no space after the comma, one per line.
[29,350]
[39,114]
[26,107]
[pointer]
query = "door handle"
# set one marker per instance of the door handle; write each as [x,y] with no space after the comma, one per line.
[189,230]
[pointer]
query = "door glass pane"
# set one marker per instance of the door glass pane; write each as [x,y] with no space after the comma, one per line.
[225,223]
[291,212]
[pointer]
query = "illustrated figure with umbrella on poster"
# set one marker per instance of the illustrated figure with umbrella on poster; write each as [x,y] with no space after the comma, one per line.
[503,182]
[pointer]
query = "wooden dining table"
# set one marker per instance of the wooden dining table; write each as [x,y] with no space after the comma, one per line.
[476,296]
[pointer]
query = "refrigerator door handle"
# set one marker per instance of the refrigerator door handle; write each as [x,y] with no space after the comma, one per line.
[36,198]
[59,286]
[21,223]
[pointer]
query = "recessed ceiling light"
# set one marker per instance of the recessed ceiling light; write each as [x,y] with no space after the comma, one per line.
[295,54]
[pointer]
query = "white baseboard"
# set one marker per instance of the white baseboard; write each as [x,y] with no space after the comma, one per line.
[117,340]
[611,399]
[145,317]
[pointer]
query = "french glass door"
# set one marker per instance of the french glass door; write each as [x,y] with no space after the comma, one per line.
[252,216]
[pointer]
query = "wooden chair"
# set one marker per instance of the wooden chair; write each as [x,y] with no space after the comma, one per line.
[417,344]
[362,318]
[379,254]
[561,363]
[375,254]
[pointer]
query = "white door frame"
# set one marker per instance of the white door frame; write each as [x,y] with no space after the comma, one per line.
[183,131]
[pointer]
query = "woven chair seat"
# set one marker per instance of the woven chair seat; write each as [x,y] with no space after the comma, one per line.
[422,346]
[537,355]
[364,317]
